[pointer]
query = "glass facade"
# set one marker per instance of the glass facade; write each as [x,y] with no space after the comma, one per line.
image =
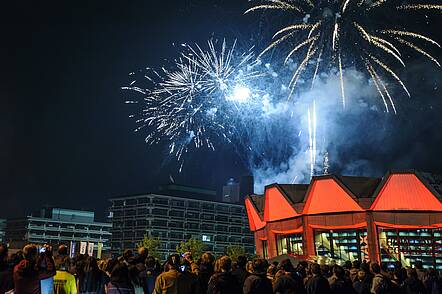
[342,244]
[411,245]
[289,244]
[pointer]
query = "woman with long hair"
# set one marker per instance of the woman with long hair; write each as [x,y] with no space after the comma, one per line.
[91,280]
[119,280]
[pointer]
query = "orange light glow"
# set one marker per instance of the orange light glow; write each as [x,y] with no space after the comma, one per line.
[276,206]
[355,226]
[405,192]
[255,221]
[327,196]
[288,232]
[413,227]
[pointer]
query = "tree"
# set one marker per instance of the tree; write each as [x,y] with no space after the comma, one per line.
[152,244]
[233,251]
[195,246]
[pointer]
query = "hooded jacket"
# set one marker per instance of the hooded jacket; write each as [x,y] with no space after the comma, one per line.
[26,278]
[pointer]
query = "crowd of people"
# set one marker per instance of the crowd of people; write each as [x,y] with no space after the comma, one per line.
[36,270]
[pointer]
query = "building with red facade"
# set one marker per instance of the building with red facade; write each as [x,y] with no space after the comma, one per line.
[396,218]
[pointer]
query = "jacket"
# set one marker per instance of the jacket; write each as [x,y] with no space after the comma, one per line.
[317,285]
[257,284]
[26,278]
[174,282]
[223,283]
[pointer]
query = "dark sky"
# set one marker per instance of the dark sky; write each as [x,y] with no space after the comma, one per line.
[66,138]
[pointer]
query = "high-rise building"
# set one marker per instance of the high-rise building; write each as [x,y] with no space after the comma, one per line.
[234,192]
[2,230]
[178,218]
[58,226]
[246,187]
[231,191]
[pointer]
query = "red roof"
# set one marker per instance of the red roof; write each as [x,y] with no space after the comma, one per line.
[326,195]
[277,206]
[255,221]
[405,192]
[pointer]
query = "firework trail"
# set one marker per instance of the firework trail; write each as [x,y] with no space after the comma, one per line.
[346,33]
[311,114]
[200,100]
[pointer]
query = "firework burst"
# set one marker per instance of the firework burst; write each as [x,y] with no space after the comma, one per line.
[199,100]
[336,33]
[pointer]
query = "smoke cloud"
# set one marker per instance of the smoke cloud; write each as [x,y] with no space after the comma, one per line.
[339,131]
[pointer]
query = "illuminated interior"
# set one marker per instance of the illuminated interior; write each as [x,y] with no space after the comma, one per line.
[289,244]
[342,244]
[409,246]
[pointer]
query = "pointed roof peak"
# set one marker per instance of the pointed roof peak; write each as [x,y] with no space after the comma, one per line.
[327,195]
[406,191]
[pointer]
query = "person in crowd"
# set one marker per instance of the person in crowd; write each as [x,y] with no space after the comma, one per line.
[102,265]
[381,284]
[257,282]
[3,255]
[432,282]
[193,265]
[111,263]
[354,270]
[127,257]
[240,273]
[283,283]
[361,284]
[287,267]
[326,271]
[249,267]
[339,283]
[317,284]
[26,277]
[6,281]
[119,280]
[272,270]
[143,253]
[62,253]
[399,276]
[412,284]
[167,282]
[206,270]
[188,277]
[135,279]
[149,274]
[421,273]
[92,280]
[347,268]
[64,281]
[46,267]
[223,281]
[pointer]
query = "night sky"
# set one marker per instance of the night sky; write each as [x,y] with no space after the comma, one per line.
[67,139]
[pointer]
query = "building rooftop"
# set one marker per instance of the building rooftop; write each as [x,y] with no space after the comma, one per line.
[358,188]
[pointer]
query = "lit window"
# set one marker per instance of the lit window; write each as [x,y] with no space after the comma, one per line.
[206,238]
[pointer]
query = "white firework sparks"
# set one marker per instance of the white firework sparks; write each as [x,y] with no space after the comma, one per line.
[199,100]
[343,33]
